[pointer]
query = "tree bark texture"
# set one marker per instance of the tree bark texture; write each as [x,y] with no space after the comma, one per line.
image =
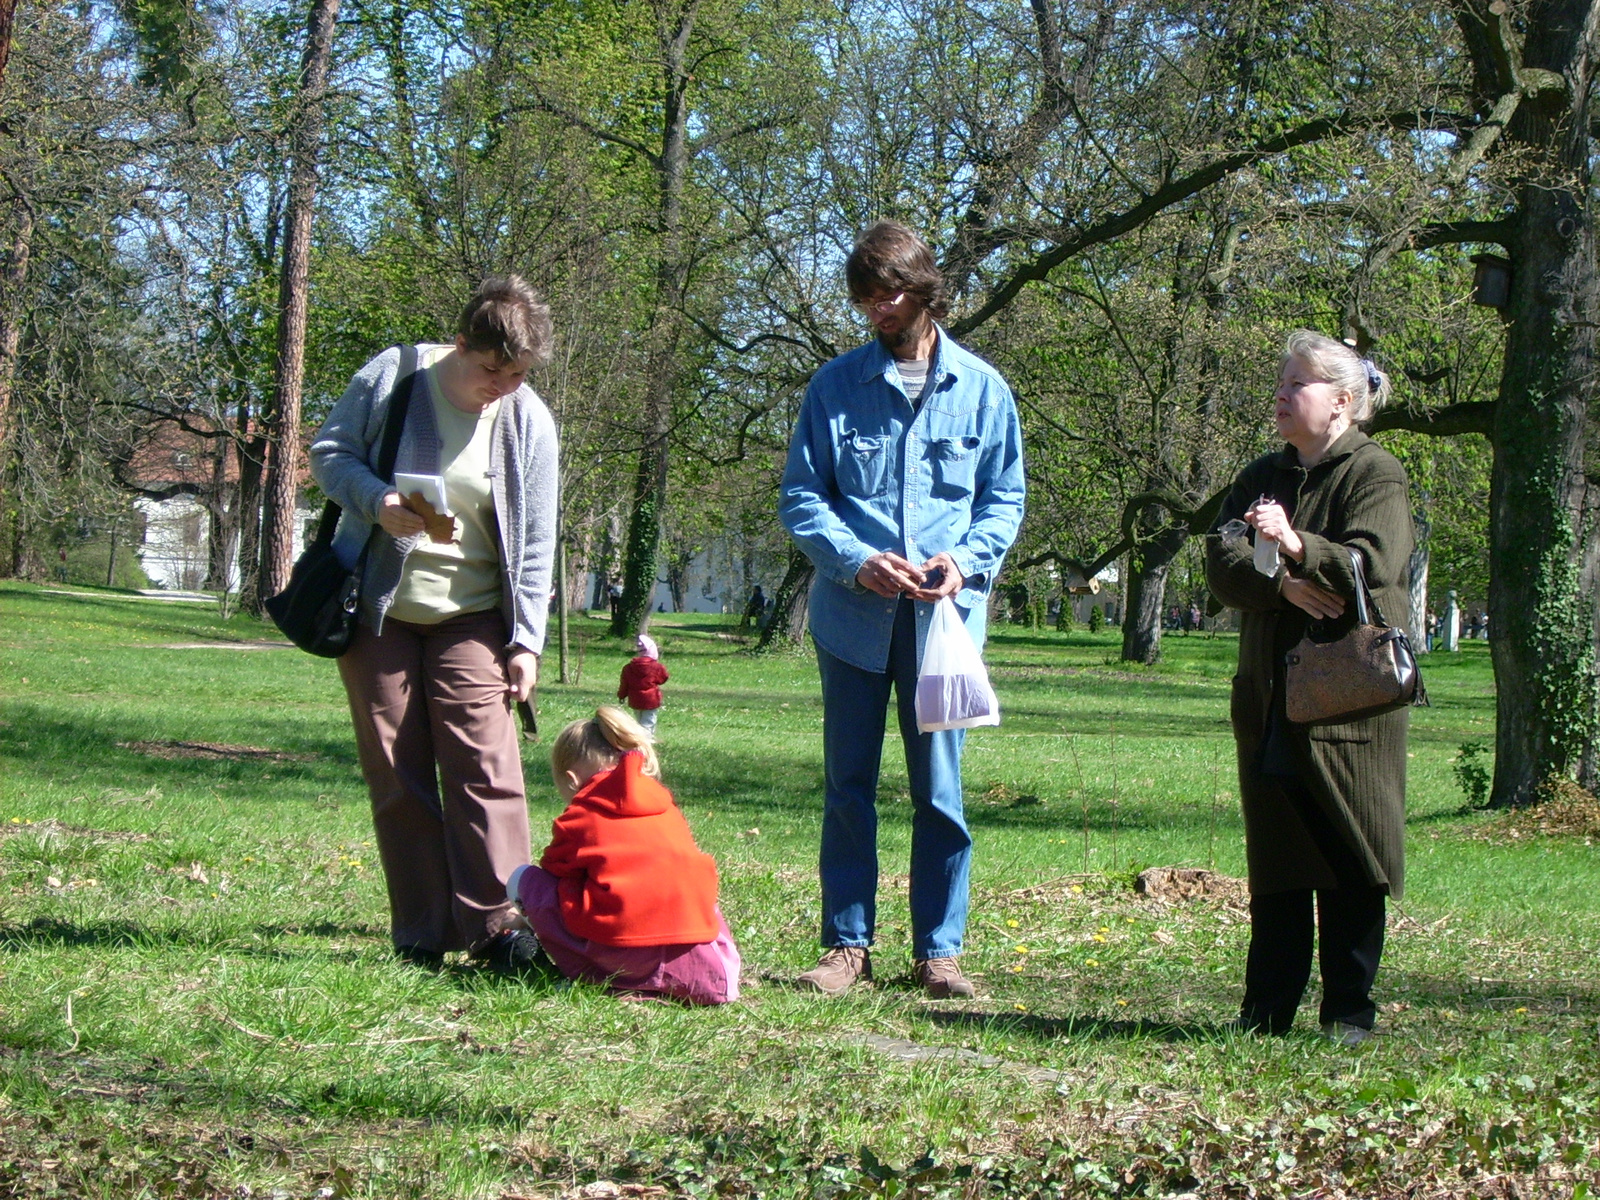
[14,274]
[787,625]
[8,14]
[285,453]
[1149,564]
[650,480]
[1543,509]
[1422,530]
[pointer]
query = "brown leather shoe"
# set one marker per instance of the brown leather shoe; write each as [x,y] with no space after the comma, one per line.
[837,969]
[942,978]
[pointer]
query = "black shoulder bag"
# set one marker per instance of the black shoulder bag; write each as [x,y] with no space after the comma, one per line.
[319,607]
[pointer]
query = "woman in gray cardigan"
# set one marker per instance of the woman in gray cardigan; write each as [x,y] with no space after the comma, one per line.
[452,617]
[1324,805]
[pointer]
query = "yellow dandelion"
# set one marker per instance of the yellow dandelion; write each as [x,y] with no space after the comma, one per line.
[1017,970]
[1077,889]
[1020,1007]
[1124,1003]
[1522,1010]
[1091,962]
[1021,949]
[1105,929]
[1099,937]
[1011,923]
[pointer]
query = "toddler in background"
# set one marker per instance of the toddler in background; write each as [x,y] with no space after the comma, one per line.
[642,678]
[622,894]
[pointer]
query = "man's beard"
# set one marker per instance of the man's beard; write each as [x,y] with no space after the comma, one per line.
[909,334]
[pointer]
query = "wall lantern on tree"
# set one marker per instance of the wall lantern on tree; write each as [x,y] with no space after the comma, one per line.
[1491,280]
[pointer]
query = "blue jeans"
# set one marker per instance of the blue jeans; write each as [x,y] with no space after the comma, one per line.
[855,706]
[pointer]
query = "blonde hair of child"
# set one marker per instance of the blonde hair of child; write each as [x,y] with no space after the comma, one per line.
[1341,365]
[599,742]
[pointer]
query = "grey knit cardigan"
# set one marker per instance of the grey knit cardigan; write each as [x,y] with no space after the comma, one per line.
[523,472]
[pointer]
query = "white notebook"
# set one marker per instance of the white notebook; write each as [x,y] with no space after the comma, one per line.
[431,487]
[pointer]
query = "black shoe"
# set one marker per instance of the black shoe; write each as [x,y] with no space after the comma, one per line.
[416,956]
[511,952]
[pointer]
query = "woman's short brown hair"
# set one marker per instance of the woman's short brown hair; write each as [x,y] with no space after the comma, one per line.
[891,258]
[506,318]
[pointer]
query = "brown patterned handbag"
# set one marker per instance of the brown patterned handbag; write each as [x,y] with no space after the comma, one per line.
[1368,671]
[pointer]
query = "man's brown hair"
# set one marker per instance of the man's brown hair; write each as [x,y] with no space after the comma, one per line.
[506,318]
[891,258]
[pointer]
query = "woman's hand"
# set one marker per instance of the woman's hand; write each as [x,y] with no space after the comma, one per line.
[1271,521]
[1314,599]
[522,672]
[396,517]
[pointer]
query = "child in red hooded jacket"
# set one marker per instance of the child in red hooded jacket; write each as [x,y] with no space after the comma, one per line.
[642,677]
[622,894]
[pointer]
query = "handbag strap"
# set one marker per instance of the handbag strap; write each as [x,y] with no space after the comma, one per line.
[1367,610]
[394,420]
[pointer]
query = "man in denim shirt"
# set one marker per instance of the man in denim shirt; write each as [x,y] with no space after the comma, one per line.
[904,485]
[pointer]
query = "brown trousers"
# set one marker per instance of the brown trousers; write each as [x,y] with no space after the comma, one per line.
[441,757]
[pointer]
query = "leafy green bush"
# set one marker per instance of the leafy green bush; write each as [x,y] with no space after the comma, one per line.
[1097,619]
[1474,768]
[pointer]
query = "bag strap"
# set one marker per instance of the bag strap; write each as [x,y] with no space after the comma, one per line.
[394,420]
[1367,611]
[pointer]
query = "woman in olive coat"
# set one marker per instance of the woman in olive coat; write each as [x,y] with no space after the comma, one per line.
[1324,805]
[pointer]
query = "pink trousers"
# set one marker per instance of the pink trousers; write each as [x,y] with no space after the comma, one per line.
[704,974]
[439,750]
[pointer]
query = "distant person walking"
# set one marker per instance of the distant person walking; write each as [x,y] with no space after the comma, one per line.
[1324,805]
[904,485]
[452,617]
[642,677]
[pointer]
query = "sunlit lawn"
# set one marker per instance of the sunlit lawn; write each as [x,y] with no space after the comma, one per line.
[196,996]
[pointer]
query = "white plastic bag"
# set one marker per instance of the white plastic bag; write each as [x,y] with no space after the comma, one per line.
[953,689]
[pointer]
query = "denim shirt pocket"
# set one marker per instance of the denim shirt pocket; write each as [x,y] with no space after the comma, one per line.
[861,464]
[955,465]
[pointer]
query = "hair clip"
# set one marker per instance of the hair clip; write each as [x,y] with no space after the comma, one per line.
[1374,380]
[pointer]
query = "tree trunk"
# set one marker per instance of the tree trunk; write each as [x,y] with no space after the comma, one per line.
[1422,526]
[283,463]
[252,460]
[1149,564]
[650,480]
[789,604]
[1543,546]
[8,14]
[641,557]
[14,274]
[222,521]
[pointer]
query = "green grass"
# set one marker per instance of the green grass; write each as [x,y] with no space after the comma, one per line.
[196,995]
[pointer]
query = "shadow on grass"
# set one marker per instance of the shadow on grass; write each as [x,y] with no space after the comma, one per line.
[57,933]
[90,744]
[1092,1028]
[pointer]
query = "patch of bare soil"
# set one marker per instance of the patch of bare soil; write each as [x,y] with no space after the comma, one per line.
[1182,885]
[214,751]
[1561,809]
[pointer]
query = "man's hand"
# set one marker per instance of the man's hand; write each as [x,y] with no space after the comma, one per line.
[888,575]
[1316,600]
[940,578]
[396,517]
[1270,520]
[522,672]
